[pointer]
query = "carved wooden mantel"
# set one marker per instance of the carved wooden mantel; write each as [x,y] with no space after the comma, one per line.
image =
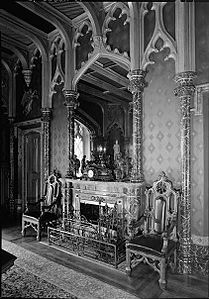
[129,196]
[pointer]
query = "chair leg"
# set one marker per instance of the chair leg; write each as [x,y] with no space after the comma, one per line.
[128,262]
[162,280]
[23,228]
[38,232]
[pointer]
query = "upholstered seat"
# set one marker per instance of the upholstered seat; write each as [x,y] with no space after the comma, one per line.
[158,242]
[152,244]
[46,211]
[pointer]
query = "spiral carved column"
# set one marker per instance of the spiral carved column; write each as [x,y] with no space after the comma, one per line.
[185,91]
[71,102]
[137,85]
[46,118]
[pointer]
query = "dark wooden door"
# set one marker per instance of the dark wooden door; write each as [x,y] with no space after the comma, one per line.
[32,166]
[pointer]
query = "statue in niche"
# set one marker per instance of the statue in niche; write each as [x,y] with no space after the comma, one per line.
[76,165]
[83,164]
[119,167]
[27,100]
[116,149]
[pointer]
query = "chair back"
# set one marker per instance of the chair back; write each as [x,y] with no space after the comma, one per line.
[52,194]
[161,208]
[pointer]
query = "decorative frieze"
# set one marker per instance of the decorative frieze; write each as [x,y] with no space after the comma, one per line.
[137,85]
[71,102]
[46,117]
[185,91]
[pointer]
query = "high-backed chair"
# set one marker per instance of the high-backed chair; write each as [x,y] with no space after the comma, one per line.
[46,211]
[157,243]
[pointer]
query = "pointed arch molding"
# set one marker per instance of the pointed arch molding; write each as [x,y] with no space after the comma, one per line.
[17,52]
[89,122]
[11,104]
[94,57]
[56,45]
[160,32]
[92,17]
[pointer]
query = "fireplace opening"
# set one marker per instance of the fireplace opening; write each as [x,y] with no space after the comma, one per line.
[91,212]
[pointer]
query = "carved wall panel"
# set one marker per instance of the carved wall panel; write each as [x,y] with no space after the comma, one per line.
[116,30]
[169,18]
[149,24]
[161,121]
[57,61]
[83,43]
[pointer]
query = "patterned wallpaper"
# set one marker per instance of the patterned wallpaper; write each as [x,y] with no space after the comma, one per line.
[161,122]
[197,169]
[59,136]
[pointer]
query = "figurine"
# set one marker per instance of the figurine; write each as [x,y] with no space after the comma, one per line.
[116,149]
[83,164]
[77,165]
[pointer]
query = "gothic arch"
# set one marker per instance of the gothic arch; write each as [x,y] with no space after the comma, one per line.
[95,57]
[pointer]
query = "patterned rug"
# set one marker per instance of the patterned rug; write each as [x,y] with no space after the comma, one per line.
[19,283]
[34,276]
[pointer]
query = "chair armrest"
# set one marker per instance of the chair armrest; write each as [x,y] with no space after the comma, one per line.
[165,243]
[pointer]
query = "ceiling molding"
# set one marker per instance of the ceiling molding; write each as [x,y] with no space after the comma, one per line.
[43,9]
[95,92]
[110,74]
[107,86]
[39,38]
[22,25]
[7,40]
[16,51]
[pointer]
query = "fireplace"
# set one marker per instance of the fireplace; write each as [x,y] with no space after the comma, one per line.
[98,226]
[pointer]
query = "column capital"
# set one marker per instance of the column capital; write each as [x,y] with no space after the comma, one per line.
[71,98]
[137,80]
[185,82]
[46,114]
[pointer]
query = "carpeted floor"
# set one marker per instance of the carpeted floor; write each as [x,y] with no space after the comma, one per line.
[34,276]
[19,283]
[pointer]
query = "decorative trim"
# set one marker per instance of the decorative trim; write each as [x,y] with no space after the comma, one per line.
[159,32]
[137,85]
[198,98]
[200,240]
[185,90]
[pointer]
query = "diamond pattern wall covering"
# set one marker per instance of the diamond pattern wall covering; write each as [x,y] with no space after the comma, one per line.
[197,167]
[161,122]
[59,136]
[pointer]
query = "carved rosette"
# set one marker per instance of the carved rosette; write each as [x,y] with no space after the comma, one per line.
[46,118]
[71,102]
[12,206]
[137,85]
[185,91]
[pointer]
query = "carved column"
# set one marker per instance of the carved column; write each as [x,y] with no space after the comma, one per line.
[46,118]
[137,84]
[185,91]
[71,103]
[12,204]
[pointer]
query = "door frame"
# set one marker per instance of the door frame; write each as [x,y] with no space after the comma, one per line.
[23,129]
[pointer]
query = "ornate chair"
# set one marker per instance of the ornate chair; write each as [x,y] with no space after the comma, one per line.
[46,211]
[157,242]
